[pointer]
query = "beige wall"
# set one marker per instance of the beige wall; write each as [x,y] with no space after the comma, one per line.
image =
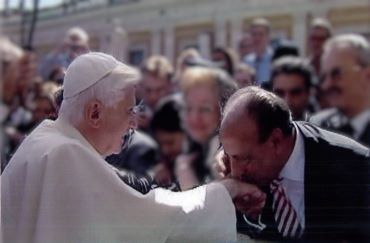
[166,26]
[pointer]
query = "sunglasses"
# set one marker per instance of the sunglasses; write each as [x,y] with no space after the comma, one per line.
[291,92]
[334,73]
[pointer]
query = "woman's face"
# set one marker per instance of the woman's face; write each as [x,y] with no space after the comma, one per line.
[201,113]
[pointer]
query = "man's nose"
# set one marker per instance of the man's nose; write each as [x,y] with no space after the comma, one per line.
[326,83]
[133,122]
[236,169]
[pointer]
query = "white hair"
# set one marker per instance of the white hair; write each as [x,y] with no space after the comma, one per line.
[109,91]
[358,43]
[8,50]
[78,32]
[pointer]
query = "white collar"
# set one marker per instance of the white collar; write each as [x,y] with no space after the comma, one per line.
[73,133]
[359,122]
[294,167]
[4,111]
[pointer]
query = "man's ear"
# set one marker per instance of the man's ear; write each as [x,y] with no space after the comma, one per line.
[276,138]
[93,113]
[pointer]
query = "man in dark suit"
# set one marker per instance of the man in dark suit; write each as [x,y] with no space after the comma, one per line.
[317,182]
[346,78]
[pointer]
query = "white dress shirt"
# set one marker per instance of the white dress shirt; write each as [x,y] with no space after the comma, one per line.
[359,123]
[293,177]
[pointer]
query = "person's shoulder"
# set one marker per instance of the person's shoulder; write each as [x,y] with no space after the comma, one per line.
[322,116]
[329,141]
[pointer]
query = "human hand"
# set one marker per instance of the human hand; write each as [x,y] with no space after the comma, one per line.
[248,198]
[221,168]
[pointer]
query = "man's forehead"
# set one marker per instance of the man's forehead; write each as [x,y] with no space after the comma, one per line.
[238,120]
[338,54]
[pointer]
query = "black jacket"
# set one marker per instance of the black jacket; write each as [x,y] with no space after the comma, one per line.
[337,190]
[331,119]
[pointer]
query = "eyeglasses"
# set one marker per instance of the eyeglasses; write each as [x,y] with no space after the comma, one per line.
[291,92]
[334,73]
[139,108]
[337,72]
[202,110]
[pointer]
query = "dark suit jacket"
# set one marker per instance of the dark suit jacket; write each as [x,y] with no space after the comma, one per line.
[337,190]
[331,119]
[138,157]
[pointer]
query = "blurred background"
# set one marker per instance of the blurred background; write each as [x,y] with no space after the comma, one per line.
[133,30]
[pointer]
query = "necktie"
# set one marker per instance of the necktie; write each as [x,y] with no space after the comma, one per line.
[285,216]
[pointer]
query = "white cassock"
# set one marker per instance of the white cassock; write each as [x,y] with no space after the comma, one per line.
[58,189]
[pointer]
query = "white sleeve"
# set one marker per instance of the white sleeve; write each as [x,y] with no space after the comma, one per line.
[208,214]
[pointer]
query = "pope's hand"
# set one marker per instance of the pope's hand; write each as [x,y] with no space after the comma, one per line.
[248,198]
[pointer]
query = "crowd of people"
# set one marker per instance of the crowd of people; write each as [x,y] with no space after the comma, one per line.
[287,135]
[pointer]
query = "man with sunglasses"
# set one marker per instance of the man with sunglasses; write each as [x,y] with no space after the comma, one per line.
[346,78]
[291,80]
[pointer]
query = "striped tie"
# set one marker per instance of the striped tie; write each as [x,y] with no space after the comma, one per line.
[284,213]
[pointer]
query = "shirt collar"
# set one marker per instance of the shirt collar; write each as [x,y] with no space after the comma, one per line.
[359,122]
[294,167]
[73,133]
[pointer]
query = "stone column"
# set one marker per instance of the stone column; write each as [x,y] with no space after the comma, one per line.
[155,42]
[169,43]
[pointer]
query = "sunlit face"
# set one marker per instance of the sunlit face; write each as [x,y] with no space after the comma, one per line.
[245,46]
[292,88]
[170,144]
[250,160]
[343,78]
[243,78]
[153,89]
[118,120]
[317,38]
[260,36]
[201,113]
[220,59]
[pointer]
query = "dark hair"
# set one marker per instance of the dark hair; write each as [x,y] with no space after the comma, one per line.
[58,98]
[167,115]
[293,65]
[228,58]
[285,48]
[268,110]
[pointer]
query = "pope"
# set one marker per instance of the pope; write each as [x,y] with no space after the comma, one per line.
[58,187]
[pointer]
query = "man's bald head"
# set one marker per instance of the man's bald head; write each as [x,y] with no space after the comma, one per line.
[266,109]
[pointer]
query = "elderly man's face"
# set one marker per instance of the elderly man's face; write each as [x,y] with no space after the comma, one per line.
[250,160]
[343,77]
[118,120]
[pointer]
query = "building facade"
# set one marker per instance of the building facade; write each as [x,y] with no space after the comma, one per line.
[134,29]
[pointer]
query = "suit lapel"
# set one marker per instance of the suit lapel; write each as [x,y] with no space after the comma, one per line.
[312,177]
[365,136]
